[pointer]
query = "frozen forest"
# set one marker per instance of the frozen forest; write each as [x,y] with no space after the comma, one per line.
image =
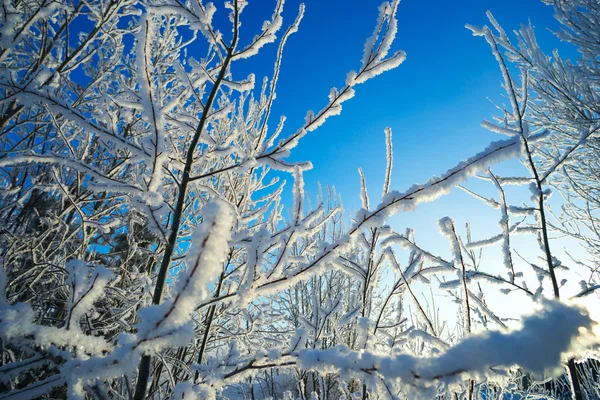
[157,240]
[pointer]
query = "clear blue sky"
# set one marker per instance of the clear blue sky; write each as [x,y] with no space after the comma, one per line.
[434,101]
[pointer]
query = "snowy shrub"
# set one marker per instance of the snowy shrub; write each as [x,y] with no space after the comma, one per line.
[144,246]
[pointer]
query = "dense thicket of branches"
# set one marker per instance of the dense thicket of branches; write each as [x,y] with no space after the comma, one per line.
[146,253]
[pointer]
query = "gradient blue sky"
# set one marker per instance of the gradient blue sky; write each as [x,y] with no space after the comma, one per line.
[434,101]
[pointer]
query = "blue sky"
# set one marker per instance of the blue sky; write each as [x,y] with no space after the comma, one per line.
[434,101]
